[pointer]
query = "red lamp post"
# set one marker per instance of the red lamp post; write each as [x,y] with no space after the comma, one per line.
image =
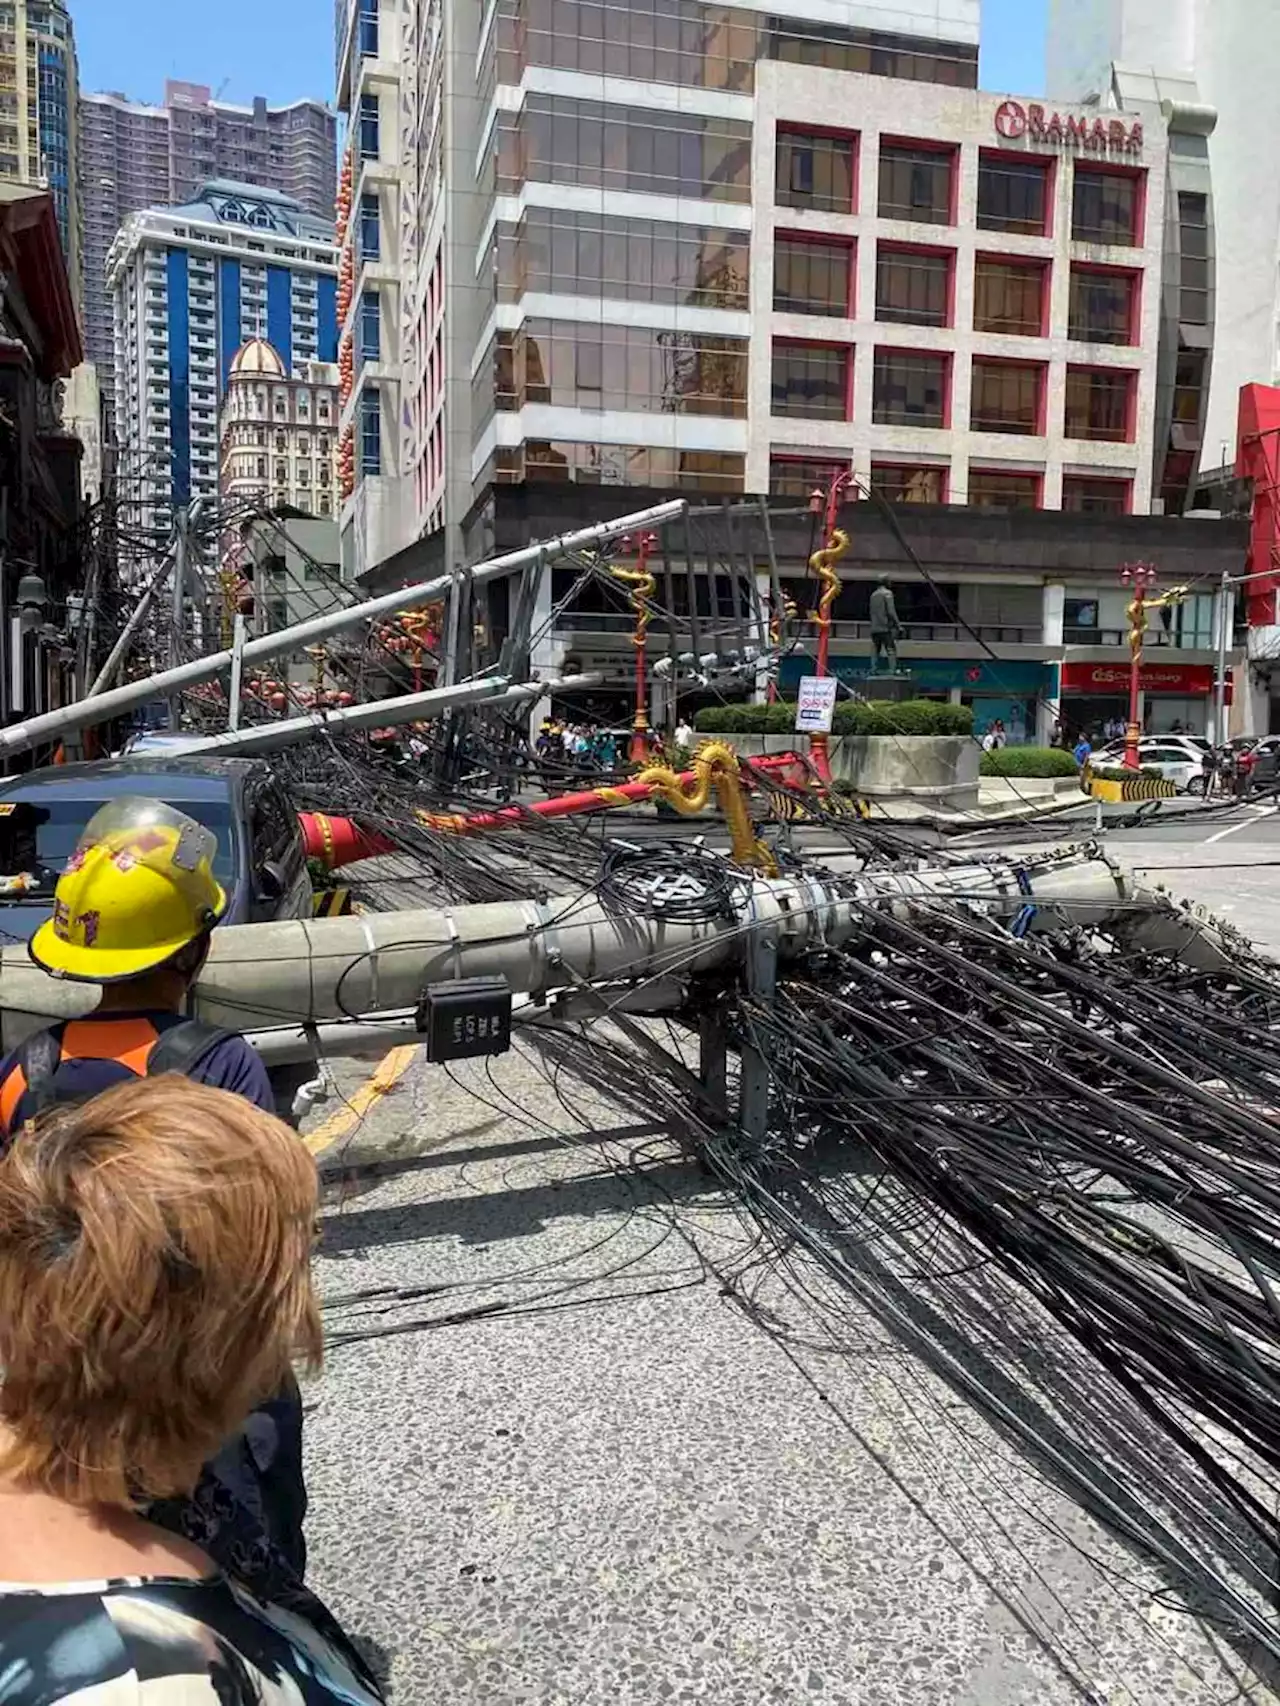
[835,491]
[1142,578]
[821,561]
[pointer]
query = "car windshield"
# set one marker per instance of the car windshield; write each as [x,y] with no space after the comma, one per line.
[36,840]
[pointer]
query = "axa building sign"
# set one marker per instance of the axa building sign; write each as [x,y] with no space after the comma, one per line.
[1017,121]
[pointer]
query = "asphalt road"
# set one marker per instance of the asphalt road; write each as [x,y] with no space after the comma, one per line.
[554,1461]
[1225,857]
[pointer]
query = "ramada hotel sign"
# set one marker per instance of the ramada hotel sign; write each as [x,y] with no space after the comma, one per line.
[1099,135]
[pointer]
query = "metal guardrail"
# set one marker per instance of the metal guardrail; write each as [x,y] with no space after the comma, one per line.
[1155,637]
[921,633]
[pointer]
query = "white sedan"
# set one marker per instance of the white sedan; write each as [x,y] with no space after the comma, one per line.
[1178,759]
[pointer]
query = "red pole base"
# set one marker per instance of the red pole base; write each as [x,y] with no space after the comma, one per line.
[638,752]
[821,757]
[1132,735]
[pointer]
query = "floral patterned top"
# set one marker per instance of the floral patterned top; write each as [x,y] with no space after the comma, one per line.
[166,1641]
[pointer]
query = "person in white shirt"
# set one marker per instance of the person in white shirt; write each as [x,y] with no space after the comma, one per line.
[684,735]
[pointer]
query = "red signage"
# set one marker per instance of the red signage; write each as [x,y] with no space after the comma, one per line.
[1189,679]
[1099,135]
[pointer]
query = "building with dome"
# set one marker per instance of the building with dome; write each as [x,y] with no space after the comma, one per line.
[191,287]
[279,436]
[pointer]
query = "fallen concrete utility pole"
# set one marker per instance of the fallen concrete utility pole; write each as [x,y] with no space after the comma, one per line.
[380,713]
[56,725]
[106,675]
[259,976]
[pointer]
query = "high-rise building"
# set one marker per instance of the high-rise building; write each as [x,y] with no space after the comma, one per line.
[189,286]
[137,156]
[1224,55]
[39,113]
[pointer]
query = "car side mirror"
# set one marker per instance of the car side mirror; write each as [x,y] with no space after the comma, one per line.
[271,883]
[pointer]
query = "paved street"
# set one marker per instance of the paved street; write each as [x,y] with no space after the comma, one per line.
[1226,857]
[630,1463]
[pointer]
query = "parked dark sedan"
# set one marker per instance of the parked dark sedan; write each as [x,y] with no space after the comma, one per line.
[260,860]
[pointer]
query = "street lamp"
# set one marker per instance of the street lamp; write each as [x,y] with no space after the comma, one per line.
[32,599]
[1142,578]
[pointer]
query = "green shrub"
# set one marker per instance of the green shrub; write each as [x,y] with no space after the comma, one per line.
[911,717]
[876,717]
[1119,773]
[1029,761]
[776,719]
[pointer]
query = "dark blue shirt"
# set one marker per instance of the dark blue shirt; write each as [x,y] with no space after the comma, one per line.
[100,1052]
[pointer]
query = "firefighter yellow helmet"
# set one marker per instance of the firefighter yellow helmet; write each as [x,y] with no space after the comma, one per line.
[138,888]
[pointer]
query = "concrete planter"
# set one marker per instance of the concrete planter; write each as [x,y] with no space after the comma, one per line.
[941,770]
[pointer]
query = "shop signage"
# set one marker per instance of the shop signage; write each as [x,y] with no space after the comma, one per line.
[1188,679]
[999,676]
[1098,135]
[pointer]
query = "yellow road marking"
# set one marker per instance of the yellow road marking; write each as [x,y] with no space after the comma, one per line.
[390,1070]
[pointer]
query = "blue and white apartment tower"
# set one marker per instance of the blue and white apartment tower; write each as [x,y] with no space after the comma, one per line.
[188,286]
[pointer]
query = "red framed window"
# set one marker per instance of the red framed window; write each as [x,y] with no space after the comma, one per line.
[1001,488]
[1104,306]
[812,381]
[801,476]
[1010,297]
[813,276]
[1087,494]
[918,182]
[911,389]
[817,169]
[910,483]
[1100,404]
[915,286]
[1107,205]
[1007,396]
[1015,193]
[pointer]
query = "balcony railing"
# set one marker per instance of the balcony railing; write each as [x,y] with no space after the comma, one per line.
[1187,641]
[917,633]
[947,633]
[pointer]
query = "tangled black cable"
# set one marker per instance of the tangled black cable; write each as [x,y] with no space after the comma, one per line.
[674,880]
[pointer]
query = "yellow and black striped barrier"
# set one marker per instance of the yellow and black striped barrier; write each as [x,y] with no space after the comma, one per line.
[331,903]
[1129,792]
[786,808]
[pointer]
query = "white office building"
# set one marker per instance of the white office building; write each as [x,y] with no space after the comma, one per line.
[1224,55]
[744,249]
[189,286]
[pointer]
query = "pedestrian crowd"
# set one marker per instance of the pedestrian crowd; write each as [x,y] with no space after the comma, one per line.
[583,747]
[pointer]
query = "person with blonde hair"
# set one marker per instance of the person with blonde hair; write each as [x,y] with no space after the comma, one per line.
[154,1287]
[133,914]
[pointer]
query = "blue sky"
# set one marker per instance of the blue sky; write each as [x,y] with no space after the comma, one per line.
[1013,38]
[283,49]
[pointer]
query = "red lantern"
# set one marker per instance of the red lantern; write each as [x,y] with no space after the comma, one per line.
[277,701]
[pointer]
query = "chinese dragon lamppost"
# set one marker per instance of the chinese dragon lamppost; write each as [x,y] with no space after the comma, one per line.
[643,585]
[1142,578]
[781,611]
[822,563]
[416,632]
